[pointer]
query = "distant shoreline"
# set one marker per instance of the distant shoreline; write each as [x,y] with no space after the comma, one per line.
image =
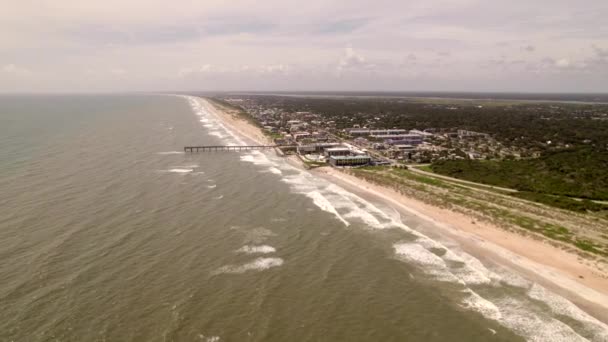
[561,271]
[566,98]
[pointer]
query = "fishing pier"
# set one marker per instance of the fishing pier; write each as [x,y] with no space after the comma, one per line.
[226,148]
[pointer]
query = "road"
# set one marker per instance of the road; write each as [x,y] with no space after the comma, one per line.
[456,180]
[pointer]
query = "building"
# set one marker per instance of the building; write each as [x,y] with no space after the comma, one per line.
[300,135]
[350,160]
[386,132]
[306,149]
[407,148]
[422,133]
[470,134]
[321,147]
[405,139]
[298,127]
[361,141]
[316,148]
[337,151]
[358,132]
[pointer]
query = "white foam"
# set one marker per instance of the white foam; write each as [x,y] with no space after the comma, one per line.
[212,186]
[561,306]
[171,152]
[453,265]
[472,271]
[219,197]
[325,205]
[534,325]
[509,277]
[258,264]
[217,134]
[264,249]
[208,338]
[247,158]
[485,307]
[364,216]
[417,254]
[258,158]
[180,170]
[210,120]
[275,171]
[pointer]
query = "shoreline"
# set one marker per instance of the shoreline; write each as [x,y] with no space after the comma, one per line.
[562,272]
[551,267]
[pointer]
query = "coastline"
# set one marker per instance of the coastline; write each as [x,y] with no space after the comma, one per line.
[563,272]
[551,267]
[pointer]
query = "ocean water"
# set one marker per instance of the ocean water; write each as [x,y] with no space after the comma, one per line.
[109,232]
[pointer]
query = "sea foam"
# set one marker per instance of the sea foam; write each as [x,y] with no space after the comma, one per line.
[171,152]
[259,264]
[180,170]
[451,266]
[264,249]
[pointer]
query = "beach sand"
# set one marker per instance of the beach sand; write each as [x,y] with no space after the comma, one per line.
[565,273]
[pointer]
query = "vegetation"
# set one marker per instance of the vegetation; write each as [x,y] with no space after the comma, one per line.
[234,110]
[580,173]
[561,201]
[495,208]
[520,124]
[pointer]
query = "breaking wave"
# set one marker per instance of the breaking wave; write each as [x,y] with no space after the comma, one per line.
[264,249]
[519,313]
[259,264]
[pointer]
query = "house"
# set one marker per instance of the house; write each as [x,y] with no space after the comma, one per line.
[300,135]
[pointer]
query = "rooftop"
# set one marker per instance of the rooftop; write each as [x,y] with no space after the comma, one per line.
[349,157]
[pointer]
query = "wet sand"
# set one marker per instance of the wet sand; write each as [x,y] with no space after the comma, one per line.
[563,272]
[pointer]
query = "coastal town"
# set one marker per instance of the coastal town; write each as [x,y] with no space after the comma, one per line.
[319,140]
[460,154]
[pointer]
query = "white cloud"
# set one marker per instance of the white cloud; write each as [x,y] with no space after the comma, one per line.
[245,70]
[392,44]
[353,61]
[118,71]
[562,63]
[13,69]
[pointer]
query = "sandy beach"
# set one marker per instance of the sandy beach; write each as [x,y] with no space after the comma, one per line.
[565,273]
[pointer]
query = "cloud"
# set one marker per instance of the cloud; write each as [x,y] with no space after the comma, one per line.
[183,72]
[118,71]
[391,44]
[562,63]
[599,52]
[244,70]
[15,70]
[343,26]
[353,61]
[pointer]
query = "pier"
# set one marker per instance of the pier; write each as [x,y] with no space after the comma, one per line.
[225,148]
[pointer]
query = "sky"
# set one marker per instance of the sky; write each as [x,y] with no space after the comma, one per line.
[274,45]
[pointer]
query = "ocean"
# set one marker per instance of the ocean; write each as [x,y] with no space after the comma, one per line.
[109,232]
